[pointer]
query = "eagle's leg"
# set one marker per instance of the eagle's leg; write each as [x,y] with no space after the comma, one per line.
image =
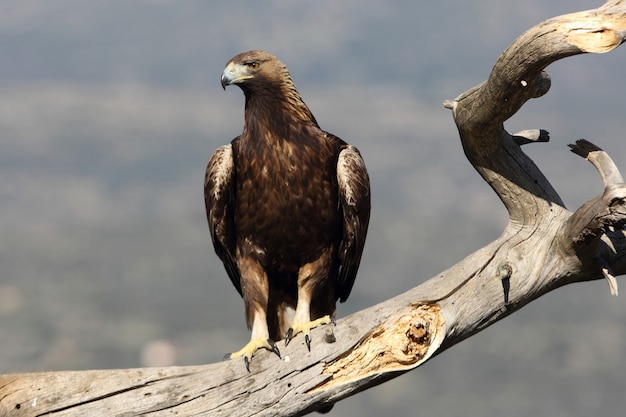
[259,340]
[255,291]
[309,278]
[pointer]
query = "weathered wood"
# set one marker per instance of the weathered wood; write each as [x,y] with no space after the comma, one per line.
[543,247]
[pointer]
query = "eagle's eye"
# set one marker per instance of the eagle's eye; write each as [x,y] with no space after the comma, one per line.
[252,64]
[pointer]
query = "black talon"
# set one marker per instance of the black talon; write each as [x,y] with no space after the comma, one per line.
[288,336]
[307,340]
[247,362]
[274,347]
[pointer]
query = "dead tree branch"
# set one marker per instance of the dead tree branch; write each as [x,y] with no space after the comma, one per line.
[544,246]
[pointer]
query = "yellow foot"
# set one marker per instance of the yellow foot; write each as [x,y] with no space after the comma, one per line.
[306,329]
[248,350]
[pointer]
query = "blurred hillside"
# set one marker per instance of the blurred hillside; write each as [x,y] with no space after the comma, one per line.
[110,110]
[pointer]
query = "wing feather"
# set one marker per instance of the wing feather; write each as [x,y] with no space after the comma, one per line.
[354,196]
[219,201]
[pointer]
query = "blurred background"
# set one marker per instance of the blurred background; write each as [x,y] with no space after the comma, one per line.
[109,111]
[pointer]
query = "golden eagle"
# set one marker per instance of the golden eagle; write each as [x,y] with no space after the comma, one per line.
[288,207]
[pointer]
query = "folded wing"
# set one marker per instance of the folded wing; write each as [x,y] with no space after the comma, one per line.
[354,196]
[219,201]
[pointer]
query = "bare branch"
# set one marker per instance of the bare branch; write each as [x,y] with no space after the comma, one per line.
[531,136]
[601,161]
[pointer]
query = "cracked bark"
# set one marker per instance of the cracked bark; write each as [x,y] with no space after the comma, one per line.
[543,247]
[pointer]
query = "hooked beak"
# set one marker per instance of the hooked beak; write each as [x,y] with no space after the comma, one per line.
[225,80]
[234,74]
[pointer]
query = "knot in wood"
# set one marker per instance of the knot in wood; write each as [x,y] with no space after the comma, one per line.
[417,335]
[398,343]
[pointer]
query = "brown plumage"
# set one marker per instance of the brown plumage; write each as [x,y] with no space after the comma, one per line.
[288,207]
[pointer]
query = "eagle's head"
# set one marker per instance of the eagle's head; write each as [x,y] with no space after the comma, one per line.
[268,87]
[254,68]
